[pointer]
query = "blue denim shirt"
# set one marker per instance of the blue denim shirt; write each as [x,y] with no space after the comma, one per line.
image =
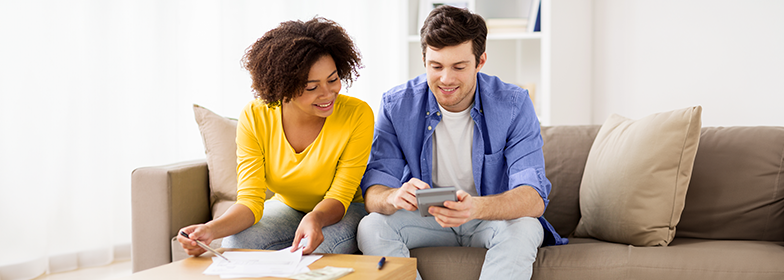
[506,150]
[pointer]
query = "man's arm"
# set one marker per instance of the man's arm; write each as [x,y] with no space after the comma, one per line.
[386,166]
[522,201]
[376,200]
[525,161]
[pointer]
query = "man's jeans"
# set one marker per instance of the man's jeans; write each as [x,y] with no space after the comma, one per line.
[511,244]
[277,226]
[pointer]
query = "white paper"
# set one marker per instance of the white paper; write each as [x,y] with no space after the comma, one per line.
[261,264]
[279,263]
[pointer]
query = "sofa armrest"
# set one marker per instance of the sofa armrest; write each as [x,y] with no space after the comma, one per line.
[163,200]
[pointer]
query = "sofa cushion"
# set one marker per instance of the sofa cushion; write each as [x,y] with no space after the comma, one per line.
[582,258]
[218,134]
[449,263]
[565,152]
[737,186]
[635,179]
[684,258]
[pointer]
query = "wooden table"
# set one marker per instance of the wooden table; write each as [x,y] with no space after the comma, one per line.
[365,267]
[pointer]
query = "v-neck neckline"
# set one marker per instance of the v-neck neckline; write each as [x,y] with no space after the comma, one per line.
[286,138]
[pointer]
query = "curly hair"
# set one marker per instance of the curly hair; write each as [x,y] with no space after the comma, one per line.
[447,26]
[279,62]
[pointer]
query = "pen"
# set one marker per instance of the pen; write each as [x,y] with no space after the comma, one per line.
[381,262]
[205,246]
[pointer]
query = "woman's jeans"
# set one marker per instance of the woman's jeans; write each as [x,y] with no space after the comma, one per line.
[275,230]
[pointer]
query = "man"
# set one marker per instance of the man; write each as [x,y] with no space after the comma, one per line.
[455,126]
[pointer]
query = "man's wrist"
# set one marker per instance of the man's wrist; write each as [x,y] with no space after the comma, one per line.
[477,206]
[378,197]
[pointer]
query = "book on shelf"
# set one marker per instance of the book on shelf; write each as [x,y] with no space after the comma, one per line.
[533,18]
[506,25]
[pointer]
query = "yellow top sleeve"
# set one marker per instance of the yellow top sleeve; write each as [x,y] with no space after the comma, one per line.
[331,167]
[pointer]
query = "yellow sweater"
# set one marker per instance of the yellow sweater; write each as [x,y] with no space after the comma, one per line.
[331,167]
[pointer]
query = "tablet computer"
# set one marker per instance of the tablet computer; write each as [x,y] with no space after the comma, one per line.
[434,197]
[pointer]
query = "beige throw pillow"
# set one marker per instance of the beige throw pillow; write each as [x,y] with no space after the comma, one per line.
[636,176]
[219,135]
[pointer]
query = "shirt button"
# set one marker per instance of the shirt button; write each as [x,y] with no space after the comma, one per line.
[427,113]
[429,127]
[438,113]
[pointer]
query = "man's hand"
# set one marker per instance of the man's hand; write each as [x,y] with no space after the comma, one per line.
[454,213]
[405,196]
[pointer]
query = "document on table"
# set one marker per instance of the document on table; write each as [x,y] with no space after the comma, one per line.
[281,263]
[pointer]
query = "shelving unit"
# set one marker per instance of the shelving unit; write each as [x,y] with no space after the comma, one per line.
[562,84]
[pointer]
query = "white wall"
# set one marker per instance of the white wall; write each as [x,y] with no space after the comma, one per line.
[570,43]
[90,90]
[654,56]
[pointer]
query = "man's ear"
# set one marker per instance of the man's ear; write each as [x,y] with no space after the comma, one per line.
[482,60]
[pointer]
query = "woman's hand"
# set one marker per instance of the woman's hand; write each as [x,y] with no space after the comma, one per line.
[200,232]
[326,212]
[308,231]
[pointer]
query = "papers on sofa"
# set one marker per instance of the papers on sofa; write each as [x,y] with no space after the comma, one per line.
[281,263]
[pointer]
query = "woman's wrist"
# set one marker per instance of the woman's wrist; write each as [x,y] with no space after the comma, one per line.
[208,228]
[315,217]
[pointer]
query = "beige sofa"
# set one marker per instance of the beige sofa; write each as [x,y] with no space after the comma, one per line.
[731,227]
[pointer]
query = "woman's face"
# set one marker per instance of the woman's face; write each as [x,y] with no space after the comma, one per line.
[323,86]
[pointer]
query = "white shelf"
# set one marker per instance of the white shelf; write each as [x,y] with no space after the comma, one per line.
[514,36]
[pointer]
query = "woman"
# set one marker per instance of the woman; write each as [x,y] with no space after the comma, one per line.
[300,139]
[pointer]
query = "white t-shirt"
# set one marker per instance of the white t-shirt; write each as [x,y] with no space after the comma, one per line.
[452,142]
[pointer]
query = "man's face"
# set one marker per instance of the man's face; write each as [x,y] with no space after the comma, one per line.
[451,75]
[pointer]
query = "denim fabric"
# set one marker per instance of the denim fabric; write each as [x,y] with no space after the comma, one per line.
[512,244]
[275,230]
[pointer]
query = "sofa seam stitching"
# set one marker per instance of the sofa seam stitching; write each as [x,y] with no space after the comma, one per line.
[775,191]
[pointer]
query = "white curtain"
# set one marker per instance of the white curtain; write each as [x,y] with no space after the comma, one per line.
[90,90]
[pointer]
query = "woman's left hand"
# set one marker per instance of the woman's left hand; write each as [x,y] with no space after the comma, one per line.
[309,229]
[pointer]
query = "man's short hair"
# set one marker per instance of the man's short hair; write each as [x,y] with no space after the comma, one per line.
[450,26]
